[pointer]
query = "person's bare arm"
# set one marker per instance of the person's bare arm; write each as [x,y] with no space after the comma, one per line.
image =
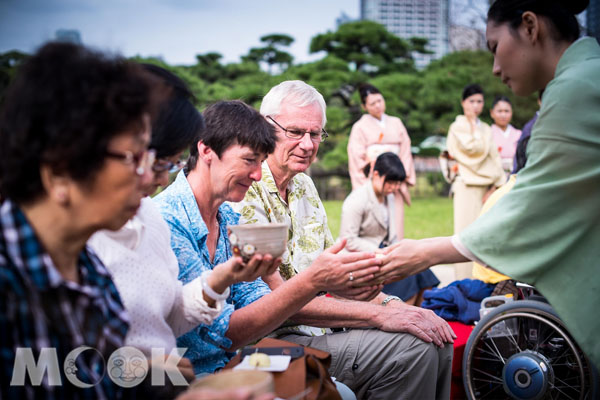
[409,257]
[327,312]
[326,273]
[395,317]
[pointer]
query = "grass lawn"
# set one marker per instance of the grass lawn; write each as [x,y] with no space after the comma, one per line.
[427,217]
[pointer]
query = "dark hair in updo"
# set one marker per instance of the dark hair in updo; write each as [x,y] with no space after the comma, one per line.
[470,90]
[63,108]
[561,14]
[500,98]
[178,125]
[366,89]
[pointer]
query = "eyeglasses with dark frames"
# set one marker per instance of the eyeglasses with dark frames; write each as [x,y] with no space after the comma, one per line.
[162,165]
[142,161]
[298,134]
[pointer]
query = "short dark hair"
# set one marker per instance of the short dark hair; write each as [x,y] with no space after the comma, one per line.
[470,90]
[234,122]
[500,98]
[62,110]
[364,90]
[390,167]
[178,124]
[561,14]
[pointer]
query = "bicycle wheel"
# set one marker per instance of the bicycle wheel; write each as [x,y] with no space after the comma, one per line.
[522,350]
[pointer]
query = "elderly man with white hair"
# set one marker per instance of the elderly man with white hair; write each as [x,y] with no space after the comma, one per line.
[409,354]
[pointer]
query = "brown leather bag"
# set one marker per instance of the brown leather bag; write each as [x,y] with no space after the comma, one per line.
[308,372]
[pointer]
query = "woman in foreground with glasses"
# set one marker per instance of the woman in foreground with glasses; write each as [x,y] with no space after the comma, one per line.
[140,257]
[74,129]
[376,133]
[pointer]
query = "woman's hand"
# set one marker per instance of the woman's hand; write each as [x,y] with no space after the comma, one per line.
[235,270]
[339,273]
[409,257]
[400,260]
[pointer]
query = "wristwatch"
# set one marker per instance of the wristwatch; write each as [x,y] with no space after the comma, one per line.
[390,298]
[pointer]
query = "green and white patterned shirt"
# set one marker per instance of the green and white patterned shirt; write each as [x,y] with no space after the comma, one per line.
[308,232]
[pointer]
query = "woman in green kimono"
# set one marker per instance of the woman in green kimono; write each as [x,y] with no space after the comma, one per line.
[546,231]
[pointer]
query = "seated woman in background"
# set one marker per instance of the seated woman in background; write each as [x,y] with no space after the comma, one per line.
[366,216]
[505,135]
[139,255]
[74,132]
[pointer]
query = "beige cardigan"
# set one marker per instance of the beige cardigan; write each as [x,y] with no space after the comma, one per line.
[479,163]
[363,223]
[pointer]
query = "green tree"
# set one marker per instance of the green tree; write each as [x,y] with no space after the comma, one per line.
[271,53]
[9,63]
[208,67]
[368,46]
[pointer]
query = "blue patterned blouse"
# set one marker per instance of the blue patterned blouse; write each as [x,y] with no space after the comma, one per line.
[206,344]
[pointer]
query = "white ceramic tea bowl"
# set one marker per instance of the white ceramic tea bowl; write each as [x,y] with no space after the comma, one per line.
[246,240]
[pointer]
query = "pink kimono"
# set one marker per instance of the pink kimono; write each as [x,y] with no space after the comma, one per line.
[507,144]
[368,139]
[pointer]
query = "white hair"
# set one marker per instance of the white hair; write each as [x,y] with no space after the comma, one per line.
[297,93]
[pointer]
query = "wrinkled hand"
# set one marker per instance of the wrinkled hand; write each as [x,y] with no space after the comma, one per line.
[422,323]
[331,270]
[365,293]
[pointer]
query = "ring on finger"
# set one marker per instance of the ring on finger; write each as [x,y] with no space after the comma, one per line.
[351,277]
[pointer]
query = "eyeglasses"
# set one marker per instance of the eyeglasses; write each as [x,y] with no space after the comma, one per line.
[142,161]
[162,165]
[297,134]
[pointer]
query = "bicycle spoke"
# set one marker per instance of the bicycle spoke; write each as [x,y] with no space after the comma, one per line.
[566,385]
[562,393]
[495,378]
[500,356]
[512,338]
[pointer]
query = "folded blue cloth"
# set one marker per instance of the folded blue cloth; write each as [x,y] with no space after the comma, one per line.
[459,301]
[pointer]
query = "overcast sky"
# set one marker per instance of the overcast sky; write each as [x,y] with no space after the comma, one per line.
[176,30]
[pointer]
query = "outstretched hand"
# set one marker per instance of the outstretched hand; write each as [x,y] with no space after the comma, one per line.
[342,273]
[400,261]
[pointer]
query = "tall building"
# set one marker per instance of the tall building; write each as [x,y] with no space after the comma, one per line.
[413,18]
[593,19]
[465,38]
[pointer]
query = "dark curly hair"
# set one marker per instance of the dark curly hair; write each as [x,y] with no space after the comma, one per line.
[63,108]
[234,122]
